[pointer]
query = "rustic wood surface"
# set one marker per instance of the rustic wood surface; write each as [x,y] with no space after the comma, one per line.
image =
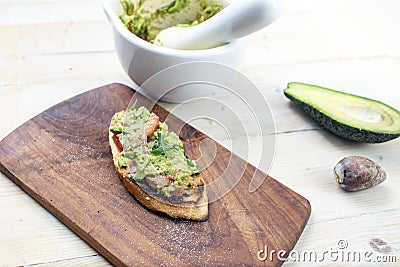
[62,159]
[53,50]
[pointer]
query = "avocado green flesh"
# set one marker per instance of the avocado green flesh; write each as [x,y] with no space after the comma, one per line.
[349,116]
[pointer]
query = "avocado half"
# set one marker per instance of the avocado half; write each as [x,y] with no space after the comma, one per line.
[351,117]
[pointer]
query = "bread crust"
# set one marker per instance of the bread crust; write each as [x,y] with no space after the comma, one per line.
[197,211]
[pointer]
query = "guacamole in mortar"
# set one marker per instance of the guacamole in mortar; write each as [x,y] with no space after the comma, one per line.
[146,24]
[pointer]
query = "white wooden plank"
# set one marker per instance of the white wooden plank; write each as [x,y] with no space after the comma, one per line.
[37,12]
[322,241]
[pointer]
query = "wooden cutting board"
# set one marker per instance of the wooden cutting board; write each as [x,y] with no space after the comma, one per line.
[62,159]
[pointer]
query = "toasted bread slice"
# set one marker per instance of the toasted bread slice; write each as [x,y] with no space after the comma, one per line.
[169,193]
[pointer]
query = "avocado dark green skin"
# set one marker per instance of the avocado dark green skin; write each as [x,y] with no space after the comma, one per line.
[343,130]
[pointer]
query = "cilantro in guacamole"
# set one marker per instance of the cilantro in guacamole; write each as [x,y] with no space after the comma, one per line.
[160,154]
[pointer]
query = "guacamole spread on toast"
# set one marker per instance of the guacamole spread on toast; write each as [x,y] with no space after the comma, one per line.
[149,151]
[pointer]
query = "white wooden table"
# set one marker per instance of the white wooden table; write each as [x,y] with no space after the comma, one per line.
[53,50]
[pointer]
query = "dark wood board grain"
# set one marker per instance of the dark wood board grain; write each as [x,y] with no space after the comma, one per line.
[62,159]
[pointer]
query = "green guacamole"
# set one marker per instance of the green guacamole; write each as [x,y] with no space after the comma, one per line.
[160,154]
[139,22]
